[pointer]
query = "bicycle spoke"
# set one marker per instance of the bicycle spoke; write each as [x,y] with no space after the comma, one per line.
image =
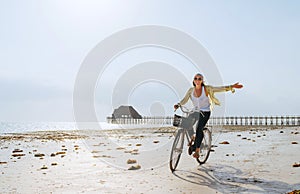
[178,150]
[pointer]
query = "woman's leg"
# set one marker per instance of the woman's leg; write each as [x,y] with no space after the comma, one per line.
[192,120]
[199,132]
[190,129]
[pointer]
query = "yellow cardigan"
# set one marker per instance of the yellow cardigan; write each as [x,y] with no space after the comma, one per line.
[210,91]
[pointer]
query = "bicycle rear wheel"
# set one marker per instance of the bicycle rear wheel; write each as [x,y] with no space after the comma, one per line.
[177,148]
[205,146]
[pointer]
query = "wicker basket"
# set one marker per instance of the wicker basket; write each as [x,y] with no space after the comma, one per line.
[180,121]
[177,120]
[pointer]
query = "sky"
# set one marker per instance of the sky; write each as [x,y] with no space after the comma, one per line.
[44,44]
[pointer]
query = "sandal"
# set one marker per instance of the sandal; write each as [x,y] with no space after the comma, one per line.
[196,155]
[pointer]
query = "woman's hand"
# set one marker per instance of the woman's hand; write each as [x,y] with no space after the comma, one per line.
[176,107]
[237,85]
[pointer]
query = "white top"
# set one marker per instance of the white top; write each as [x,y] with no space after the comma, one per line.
[200,103]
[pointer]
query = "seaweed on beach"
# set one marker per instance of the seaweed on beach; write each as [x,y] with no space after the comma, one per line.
[294,192]
[49,135]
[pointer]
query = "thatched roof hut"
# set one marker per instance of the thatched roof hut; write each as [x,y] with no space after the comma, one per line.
[126,112]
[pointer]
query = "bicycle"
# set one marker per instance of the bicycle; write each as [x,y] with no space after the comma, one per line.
[182,122]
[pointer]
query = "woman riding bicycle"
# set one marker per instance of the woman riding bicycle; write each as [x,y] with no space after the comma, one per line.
[202,96]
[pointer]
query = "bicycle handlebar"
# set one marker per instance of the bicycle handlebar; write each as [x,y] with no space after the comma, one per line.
[184,109]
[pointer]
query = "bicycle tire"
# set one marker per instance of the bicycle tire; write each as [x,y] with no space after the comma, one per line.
[176,151]
[205,146]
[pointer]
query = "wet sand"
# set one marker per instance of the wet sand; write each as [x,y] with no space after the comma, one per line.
[253,160]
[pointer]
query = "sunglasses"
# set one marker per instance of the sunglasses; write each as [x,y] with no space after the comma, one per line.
[199,78]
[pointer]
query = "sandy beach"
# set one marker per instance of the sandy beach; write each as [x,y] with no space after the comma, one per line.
[253,160]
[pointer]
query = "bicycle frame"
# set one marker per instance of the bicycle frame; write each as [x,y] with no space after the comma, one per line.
[181,134]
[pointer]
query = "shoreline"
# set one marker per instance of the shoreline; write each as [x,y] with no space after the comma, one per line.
[223,128]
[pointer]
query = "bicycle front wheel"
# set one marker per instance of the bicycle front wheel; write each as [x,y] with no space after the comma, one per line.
[177,148]
[205,146]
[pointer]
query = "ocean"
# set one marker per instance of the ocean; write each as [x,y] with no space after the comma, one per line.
[23,127]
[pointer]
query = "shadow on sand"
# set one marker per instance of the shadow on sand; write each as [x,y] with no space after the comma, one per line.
[227,179]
